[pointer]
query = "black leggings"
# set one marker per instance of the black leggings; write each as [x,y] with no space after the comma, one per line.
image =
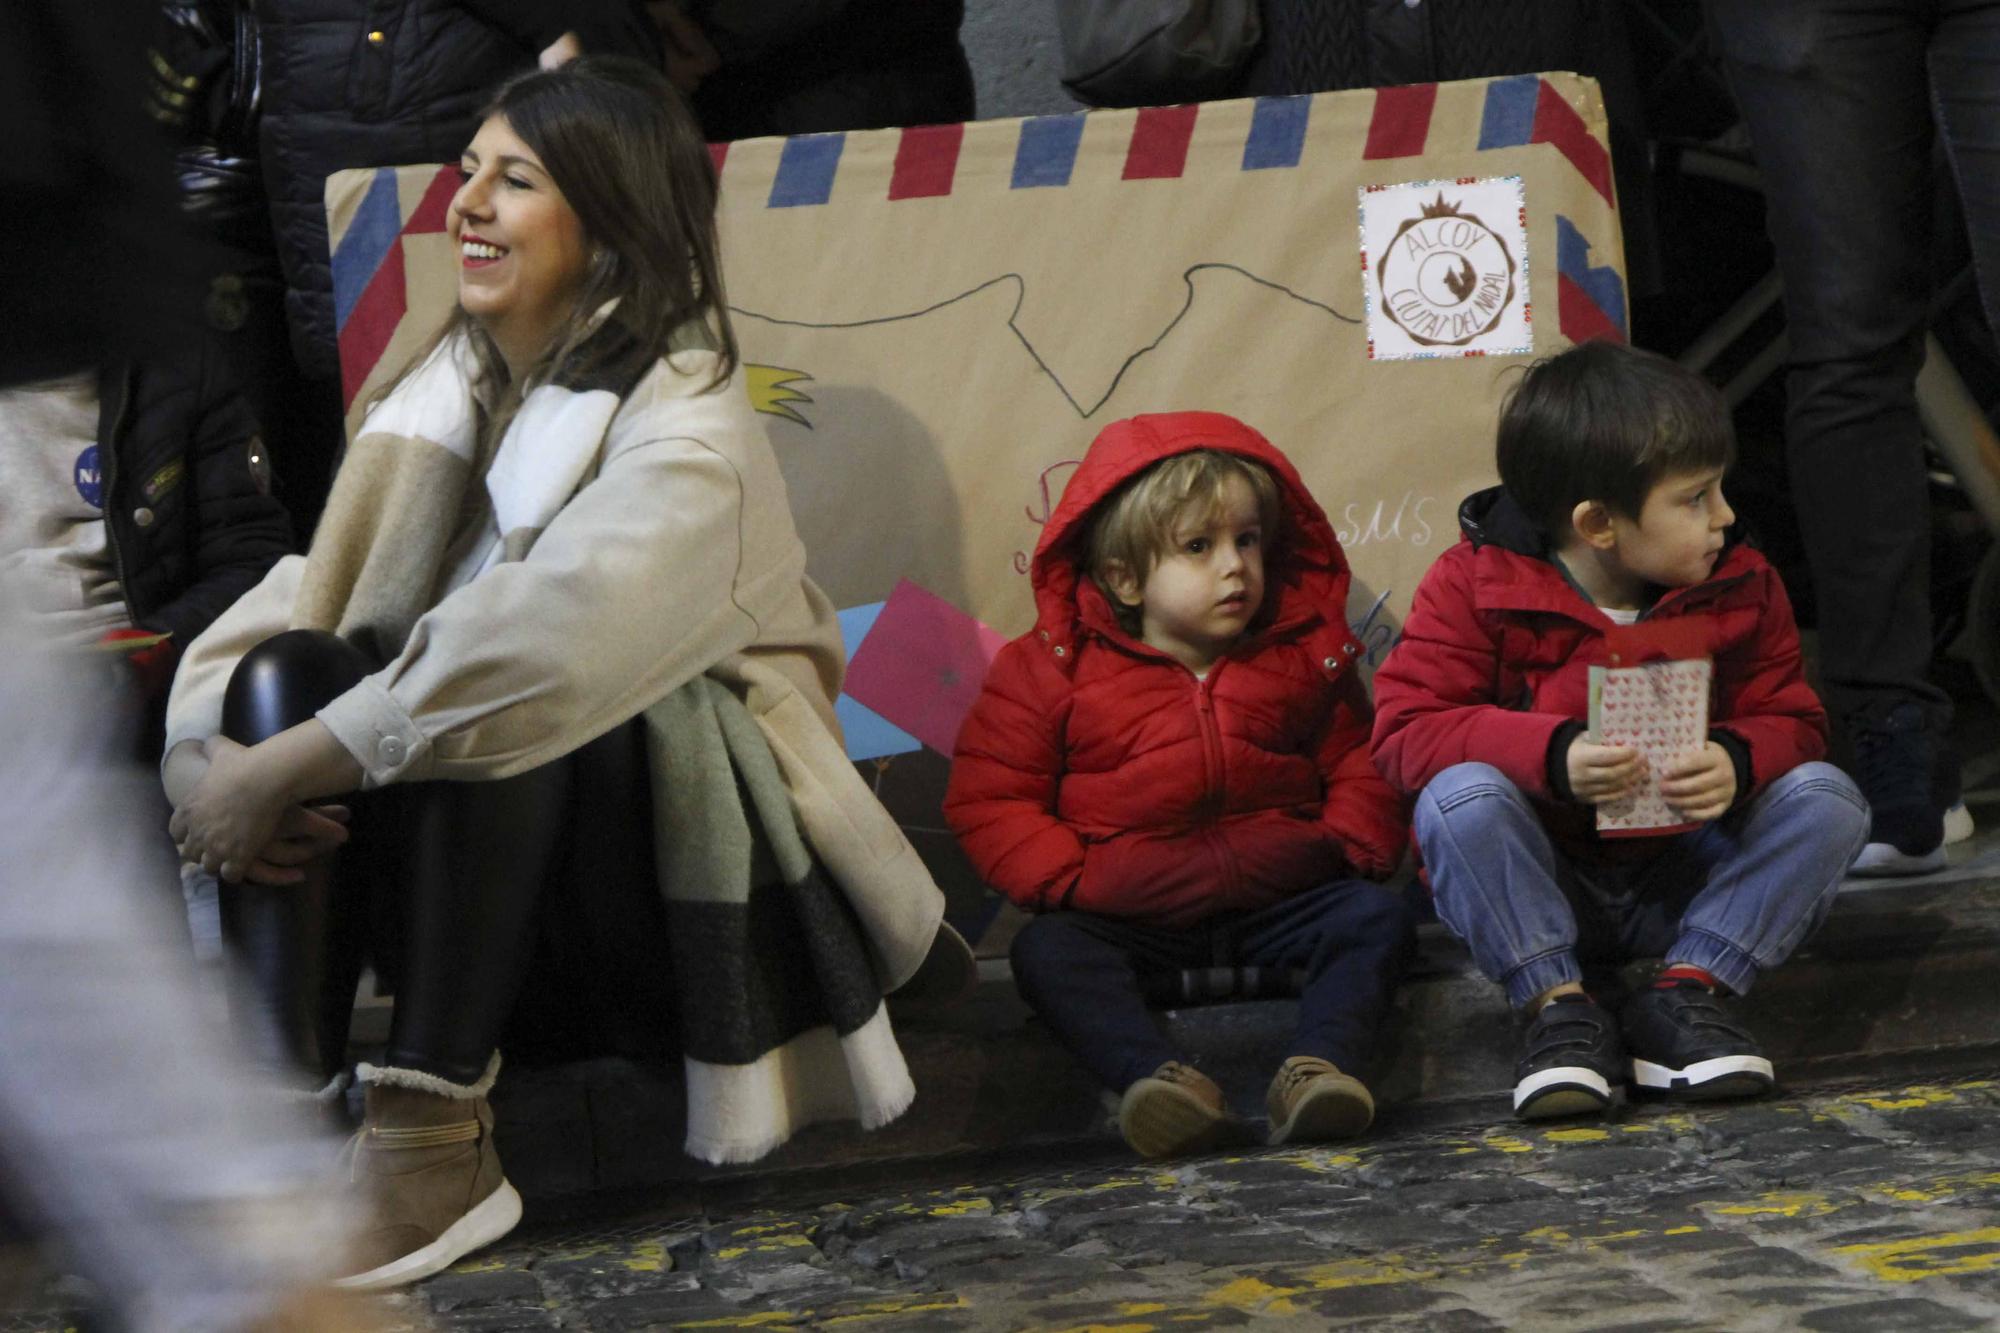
[455,890]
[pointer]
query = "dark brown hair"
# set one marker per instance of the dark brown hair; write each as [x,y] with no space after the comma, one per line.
[1605,422]
[623,148]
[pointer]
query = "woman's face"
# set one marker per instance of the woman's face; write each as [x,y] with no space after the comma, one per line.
[521,250]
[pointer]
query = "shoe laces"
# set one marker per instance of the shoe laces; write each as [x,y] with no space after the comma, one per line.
[416,1136]
[1300,1070]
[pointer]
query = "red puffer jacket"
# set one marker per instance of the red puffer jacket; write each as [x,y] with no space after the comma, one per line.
[1098,774]
[1495,661]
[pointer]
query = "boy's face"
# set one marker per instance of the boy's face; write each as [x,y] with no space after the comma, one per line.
[1201,593]
[1677,537]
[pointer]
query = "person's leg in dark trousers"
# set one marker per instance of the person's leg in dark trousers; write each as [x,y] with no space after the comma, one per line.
[1841,98]
[1351,940]
[1083,975]
[297,947]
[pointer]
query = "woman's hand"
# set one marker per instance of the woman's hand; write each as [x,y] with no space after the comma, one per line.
[305,833]
[243,817]
[233,813]
[560,52]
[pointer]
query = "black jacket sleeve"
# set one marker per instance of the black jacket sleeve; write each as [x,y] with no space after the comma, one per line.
[239,528]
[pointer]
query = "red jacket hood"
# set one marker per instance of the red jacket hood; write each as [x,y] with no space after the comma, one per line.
[1305,576]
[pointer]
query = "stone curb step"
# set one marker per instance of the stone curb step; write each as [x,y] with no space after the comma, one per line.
[1899,975]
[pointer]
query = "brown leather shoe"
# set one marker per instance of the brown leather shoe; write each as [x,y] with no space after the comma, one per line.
[1174,1111]
[1311,1101]
[429,1179]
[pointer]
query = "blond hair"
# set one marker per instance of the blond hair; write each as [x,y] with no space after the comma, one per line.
[1135,526]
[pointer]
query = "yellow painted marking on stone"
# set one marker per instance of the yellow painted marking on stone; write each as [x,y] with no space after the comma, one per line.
[1577,1135]
[1254,1295]
[1612,1237]
[914,1304]
[1680,1231]
[1508,1143]
[732,1252]
[764,1230]
[1554,1234]
[1904,1099]
[762,1319]
[649,1257]
[1376,1271]
[1918,1258]
[1132,1309]
[1779,1205]
[1637,1129]
[963,1208]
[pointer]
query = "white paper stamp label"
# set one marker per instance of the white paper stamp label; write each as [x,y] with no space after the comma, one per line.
[1444,268]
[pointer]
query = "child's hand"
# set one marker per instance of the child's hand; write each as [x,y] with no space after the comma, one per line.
[1600,773]
[1703,785]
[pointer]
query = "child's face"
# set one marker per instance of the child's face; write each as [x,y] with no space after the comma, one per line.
[1201,594]
[1678,535]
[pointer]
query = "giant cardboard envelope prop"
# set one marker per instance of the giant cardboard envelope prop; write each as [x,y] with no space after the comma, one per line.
[936,321]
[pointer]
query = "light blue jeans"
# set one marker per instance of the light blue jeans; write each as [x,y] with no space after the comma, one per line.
[1734,897]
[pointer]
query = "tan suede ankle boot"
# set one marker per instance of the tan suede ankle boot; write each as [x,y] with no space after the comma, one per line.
[428,1176]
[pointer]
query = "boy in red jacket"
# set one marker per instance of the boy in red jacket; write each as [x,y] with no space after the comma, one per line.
[1610,514]
[1172,770]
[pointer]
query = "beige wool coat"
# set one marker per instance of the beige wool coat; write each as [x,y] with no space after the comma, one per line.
[676,555]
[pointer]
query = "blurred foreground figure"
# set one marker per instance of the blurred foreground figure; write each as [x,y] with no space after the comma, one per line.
[130,1139]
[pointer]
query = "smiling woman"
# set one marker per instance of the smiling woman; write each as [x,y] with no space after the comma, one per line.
[522,252]
[557,590]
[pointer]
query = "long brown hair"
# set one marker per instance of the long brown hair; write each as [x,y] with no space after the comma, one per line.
[622,146]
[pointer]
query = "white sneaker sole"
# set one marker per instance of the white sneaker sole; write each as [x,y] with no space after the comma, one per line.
[490,1219]
[1563,1090]
[1724,1076]
[1881,860]
[1958,826]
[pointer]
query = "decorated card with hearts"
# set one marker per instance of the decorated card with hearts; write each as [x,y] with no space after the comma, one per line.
[1661,710]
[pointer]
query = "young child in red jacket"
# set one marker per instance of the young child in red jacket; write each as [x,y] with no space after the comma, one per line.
[1172,770]
[1611,513]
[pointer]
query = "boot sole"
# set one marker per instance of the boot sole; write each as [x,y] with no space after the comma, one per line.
[1325,1114]
[1163,1121]
[489,1220]
[1550,1094]
[1719,1079]
[1881,860]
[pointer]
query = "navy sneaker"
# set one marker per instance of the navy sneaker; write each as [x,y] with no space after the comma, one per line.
[1895,760]
[1684,1043]
[1572,1059]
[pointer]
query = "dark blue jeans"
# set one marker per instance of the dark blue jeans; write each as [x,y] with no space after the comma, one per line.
[1087,976]
[1844,99]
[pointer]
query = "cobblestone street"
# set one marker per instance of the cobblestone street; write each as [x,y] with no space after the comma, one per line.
[1870,1208]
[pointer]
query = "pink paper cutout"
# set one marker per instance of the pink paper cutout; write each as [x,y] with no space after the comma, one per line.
[922,664]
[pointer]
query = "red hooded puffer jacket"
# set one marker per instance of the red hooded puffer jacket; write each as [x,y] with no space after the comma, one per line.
[1494,662]
[1098,774]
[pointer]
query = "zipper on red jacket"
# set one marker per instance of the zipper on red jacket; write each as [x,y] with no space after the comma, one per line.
[1212,791]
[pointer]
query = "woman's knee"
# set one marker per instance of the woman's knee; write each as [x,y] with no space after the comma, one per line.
[286,679]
